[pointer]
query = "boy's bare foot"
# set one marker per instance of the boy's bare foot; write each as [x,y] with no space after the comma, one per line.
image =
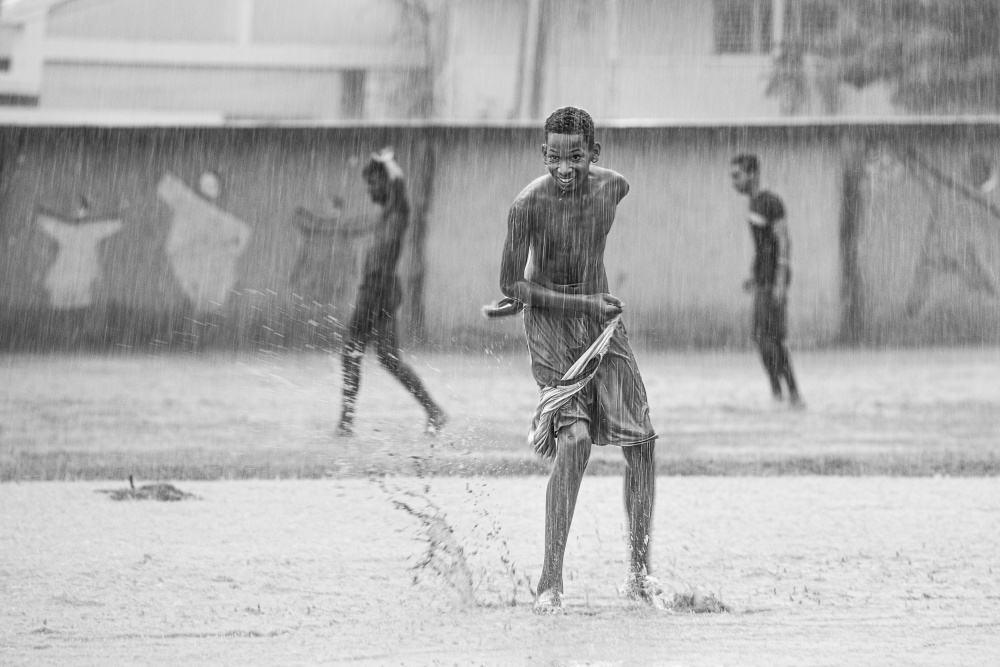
[795,402]
[435,422]
[345,430]
[641,587]
[549,602]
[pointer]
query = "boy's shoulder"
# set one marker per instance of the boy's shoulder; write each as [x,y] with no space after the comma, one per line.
[767,203]
[767,196]
[608,180]
[533,191]
[538,187]
[605,175]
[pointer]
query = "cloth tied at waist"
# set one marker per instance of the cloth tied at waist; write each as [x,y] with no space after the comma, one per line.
[541,436]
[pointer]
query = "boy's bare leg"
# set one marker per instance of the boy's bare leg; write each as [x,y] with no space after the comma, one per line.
[640,496]
[769,356]
[351,362]
[391,359]
[572,455]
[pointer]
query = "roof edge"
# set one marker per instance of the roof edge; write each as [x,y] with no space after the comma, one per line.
[21,117]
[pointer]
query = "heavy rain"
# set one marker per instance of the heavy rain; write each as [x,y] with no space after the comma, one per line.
[499,332]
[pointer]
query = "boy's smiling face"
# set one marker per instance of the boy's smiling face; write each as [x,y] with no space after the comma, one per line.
[568,158]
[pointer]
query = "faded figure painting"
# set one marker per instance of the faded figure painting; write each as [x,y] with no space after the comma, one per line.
[77,267]
[205,242]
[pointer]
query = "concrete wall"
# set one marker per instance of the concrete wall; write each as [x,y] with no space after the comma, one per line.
[289,93]
[242,58]
[107,235]
[680,248]
[288,58]
[929,243]
[651,59]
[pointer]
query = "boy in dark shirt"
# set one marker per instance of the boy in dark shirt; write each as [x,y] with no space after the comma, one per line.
[379,294]
[553,264]
[770,276]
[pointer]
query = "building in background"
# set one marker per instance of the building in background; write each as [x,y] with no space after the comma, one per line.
[390,59]
[239,58]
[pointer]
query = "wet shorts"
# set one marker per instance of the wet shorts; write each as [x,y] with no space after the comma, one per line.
[768,316]
[613,403]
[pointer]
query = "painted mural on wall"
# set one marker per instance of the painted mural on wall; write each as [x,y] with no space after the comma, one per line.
[324,270]
[205,243]
[932,231]
[70,279]
[944,253]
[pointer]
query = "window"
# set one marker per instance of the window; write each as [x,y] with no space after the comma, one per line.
[742,26]
[352,96]
[808,20]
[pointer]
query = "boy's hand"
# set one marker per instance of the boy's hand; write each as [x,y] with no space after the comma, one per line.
[502,308]
[603,306]
[388,159]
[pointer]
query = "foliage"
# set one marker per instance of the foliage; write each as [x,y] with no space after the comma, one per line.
[937,56]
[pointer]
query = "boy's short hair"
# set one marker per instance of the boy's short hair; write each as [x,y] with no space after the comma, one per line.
[570,120]
[373,168]
[748,162]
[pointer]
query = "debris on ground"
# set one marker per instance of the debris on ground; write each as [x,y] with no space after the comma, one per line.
[159,491]
[695,602]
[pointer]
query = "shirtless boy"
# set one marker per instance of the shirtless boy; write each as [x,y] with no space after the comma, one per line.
[553,264]
[373,319]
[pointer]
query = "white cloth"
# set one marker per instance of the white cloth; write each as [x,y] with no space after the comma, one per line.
[70,279]
[541,437]
[204,244]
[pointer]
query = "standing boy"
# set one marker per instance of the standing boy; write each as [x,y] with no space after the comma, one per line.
[770,277]
[379,294]
[553,264]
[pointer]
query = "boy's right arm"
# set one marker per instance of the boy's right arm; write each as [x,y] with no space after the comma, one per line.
[309,222]
[514,285]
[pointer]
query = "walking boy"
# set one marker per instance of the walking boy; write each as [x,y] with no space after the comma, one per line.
[770,277]
[553,264]
[379,294]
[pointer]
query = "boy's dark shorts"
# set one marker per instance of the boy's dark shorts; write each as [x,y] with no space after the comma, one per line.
[614,402]
[373,316]
[768,316]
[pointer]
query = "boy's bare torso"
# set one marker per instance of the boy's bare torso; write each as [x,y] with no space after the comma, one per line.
[557,239]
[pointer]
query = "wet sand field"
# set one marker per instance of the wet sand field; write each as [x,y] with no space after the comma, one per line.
[393,548]
[894,412]
[816,570]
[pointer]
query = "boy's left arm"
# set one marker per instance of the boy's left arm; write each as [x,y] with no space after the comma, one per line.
[784,251]
[311,223]
[619,187]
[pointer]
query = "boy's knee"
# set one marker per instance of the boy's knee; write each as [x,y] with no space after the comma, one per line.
[577,433]
[352,351]
[388,359]
[573,442]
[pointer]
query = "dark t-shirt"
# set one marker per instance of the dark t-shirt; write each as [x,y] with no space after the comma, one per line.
[765,209]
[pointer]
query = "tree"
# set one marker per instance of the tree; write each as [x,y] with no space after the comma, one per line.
[423,24]
[937,56]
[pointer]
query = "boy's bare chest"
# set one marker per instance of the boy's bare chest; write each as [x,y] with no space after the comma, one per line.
[574,222]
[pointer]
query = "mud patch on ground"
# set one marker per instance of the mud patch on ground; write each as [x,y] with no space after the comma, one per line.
[696,602]
[160,491]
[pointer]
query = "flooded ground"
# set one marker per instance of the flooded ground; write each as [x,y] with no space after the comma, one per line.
[207,417]
[404,549]
[817,570]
